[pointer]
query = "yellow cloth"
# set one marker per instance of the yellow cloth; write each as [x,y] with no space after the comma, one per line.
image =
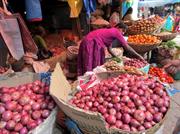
[76,6]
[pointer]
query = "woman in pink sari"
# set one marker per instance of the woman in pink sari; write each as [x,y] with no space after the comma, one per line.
[91,51]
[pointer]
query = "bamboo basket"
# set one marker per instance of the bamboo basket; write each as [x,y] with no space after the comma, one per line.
[166,37]
[142,49]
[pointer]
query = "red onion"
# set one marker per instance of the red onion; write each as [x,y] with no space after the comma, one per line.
[117,106]
[125,109]
[36,106]
[25,119]
[95,104]
[147,125]
[126,118]
[159,102]
[31,125]
[134,123]
[39,121]
[24,130]
[111,119]
[24,100]
[116,99]
[2,124]
[6,98]
[138,102]
[15,95]
[51,105]
[2,109]
[7,115]
[89,104]
[133,129]
[10,125]
[139,115]
[36,115]
[118,116]
[125,127]
[102,110]
[125,99]
[112,111]
[45,113]
[157,117]
[159,91]
[163,109]
[140,92]
[149,116]
[10,105]
[118,124]
[16,117]
[141,128]
[18,127]
[130,104]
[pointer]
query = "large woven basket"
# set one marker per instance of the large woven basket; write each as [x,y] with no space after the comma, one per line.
[166,37]
[142,49]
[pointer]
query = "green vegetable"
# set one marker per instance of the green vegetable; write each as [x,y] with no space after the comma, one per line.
[118,60]
[170,44]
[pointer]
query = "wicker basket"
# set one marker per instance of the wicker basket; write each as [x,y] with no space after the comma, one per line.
[166,37]
[142,49]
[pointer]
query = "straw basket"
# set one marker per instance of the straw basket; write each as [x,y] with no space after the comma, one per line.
[144,48]
[166,37]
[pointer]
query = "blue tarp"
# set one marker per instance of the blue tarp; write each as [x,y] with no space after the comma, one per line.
[156,3]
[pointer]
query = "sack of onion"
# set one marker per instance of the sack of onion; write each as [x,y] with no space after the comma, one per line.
[119,103]
[25,105]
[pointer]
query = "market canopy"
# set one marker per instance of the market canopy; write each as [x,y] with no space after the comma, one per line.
[156,3]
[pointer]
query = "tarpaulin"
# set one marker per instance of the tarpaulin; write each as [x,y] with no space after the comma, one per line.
[33,10]
[90,6]
[76,7]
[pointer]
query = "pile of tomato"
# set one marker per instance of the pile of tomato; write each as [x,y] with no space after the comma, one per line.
[161,74]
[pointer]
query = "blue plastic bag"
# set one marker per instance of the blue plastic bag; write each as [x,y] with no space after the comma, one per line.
[169,24]
[33,10]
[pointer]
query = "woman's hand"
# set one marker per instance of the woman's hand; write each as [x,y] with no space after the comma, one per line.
[173,66]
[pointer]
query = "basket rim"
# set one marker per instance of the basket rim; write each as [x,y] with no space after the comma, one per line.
[145,45]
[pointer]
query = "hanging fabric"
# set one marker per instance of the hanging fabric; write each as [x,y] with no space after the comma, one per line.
[76,7]
[90,6]
[33,10]
[28,42]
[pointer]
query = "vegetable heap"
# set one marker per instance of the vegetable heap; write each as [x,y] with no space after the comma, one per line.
[143,39]
[135,63]
[128,102]
[24,107]
[161,74]
[146,25]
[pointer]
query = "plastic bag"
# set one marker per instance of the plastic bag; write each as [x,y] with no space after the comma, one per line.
[10,32]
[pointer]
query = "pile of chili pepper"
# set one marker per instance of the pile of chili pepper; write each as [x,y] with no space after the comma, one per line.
[161,74]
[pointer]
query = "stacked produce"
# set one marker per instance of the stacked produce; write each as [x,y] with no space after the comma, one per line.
[128,102]
[135,63]
[24,107]
[56,51]
[114,66]
[143,39]
[146,25]
[161,74]
[3,69]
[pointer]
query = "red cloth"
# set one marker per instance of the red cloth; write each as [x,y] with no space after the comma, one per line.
[91,51]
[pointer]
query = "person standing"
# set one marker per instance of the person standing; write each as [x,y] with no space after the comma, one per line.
[91,52]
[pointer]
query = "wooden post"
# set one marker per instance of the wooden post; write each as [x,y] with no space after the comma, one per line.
[120,8]
[76,27]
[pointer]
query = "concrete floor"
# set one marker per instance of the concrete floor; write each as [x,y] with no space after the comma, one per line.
[170,123]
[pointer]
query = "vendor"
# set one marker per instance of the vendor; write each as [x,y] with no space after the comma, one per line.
[172,67]
[128,15]
[38,33]
[91,51]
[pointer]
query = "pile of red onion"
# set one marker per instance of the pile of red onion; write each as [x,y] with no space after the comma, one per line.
[135,63]
[3,69]
[128,102]
[24,107]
